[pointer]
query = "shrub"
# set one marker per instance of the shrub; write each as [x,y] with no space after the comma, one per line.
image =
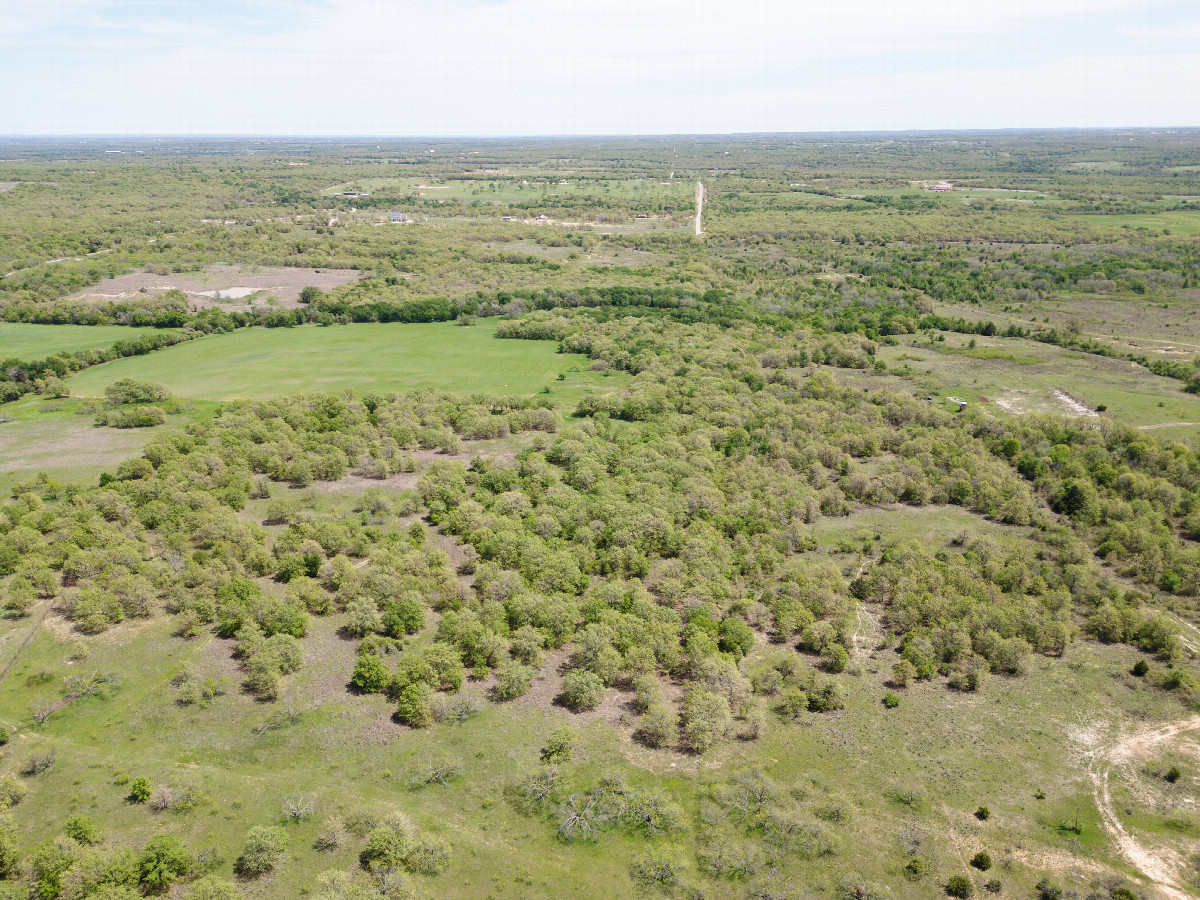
[106,891]
[138,417]
[331,836]
[362,617]
[526,645]
[428,857]
[560,746]
[139,789]
[371,674]
[960,886]
[826,697]
[993,886]
[793,703]
[10,858]
[211,888]
[903,672]
[914,868]
[1140,668]
[706,719]
[835,658]
[1048,890]
[404,616]
[11,792]
[386,849]
[81,828]
[890,700]
[264,848]
[1172,775]
[127,390]
[736,637]
[659,727]
[656,867]
[414,706]
[981,861]
[162,862]
[983,814]
[512,681]
[582,690]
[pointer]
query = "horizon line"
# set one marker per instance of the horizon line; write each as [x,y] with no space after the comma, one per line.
[23,136]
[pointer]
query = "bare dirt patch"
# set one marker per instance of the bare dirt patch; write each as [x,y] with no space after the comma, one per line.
[222,285]
[1019,402]
[1076,407]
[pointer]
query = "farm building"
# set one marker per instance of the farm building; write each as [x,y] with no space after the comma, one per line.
[399,218]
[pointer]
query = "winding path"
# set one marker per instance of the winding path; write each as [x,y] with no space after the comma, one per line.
[1160,866]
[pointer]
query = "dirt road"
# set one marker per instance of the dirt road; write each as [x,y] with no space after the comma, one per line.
[1161,866]
[699,205]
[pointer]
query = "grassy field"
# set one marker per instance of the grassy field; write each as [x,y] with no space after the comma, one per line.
[1167,329]
[36,341]
[59,438]
[261,364]
[1010,376]
[1176,221]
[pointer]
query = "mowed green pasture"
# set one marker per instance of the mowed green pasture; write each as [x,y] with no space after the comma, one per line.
[264,363]
[22,341]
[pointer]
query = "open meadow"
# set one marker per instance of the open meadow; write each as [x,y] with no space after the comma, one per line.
[36,341]
[382,357]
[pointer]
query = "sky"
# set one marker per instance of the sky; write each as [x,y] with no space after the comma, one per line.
[568,67]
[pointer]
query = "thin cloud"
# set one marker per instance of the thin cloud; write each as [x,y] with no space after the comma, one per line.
[541,66]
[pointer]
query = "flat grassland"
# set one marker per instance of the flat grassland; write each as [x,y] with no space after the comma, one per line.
[21,341]
[1175,221]
[393,357]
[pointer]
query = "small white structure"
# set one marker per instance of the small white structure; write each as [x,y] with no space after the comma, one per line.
[399,218]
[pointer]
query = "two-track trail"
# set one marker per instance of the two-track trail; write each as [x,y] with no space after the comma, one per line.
[1160,866]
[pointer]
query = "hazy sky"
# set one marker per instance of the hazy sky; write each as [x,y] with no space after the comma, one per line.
[507,67]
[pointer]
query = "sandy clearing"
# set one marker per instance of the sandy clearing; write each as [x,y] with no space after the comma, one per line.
[233,293]
[7,186]
[1167,425]
[1075,406]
